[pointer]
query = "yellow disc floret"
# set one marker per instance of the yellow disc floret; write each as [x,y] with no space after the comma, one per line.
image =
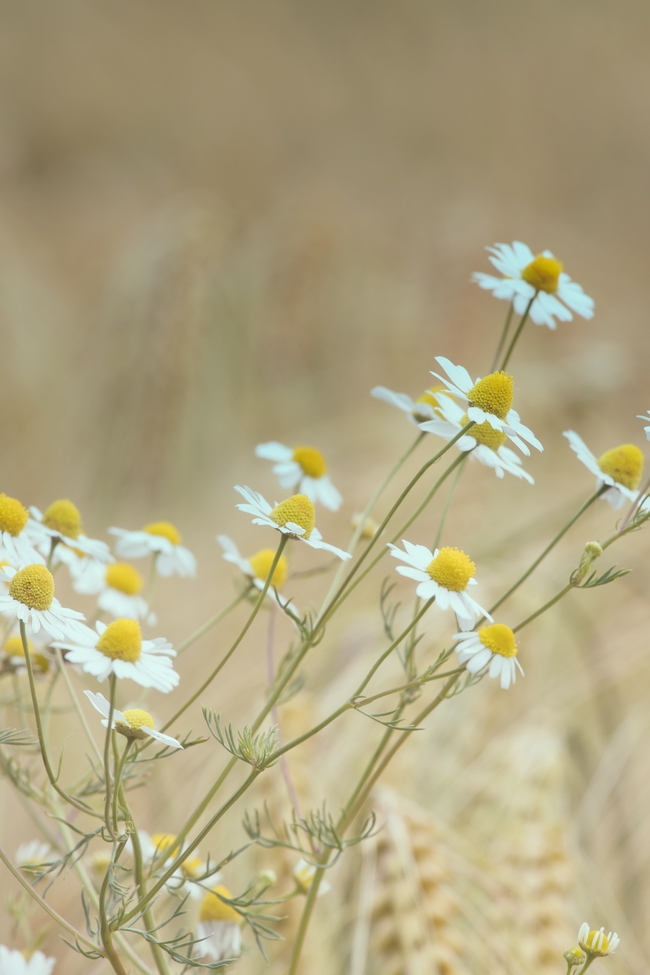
[596,942]
[136,719]
[297,510]
[213,908]
[192,867]
[431,398]
[485,434]
[124,578]
[624,464]
[121,640]
[261,564]
[163,841]
[63,516]
[493,394]
[451,569]
[165,529]
[543,273]
[311,461]
[13,516]
[499,639]
[33,586]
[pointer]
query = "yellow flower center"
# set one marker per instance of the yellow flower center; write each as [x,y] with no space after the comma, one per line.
[14,648]
[543,273]
[214,909]
[136,719]
[261,564]
[451,569]
[311,460]
[165,529]
[163,841]
[13,516]
[192,867]
[493,394]
[485,434]
[499,639]
[33,586]
[100,862]
[596,942]
[124,578]
[431,397]
[121,640]
[297,509]
[624,464]
[63,516]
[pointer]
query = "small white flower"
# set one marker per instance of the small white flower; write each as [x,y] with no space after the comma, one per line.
[445,574]
[117,587]
[30,598]
[62,521]
[489,401]
[15,963]
[425,407]
[160,539]
[486,443]
[219,927]
[304,468]
[597,943]
[119,649]
[494,645]
[620,468]
[14,653]
[33,857]
[132,723]
[295,517]
[257,568]
[16,543]
[304,873]
[526,276]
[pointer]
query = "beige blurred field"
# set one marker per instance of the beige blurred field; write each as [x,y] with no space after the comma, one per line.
[224,223]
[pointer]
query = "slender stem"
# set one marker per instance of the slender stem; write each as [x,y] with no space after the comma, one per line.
[118,780]
[520,328]
[211,622]
[105,931]
[270,673]
[76,703]
[147,917]
[542,609]
[445,510]
[504,335]
[20,704]
[107,756]
[54,541]
[635,504]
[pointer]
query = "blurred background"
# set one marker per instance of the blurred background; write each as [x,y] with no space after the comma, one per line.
[224,223]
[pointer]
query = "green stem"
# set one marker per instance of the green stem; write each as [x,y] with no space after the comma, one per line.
[504,335]
[118,780]
[211,622]
[105,930]
[445,510]
[76,703]
[147,917]
[520,328]
[107,756]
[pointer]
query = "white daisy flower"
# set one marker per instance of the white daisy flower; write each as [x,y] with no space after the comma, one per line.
[494,645]
[425,407]
[620,468]
[486,443]
[541,277]
[117,587]
[597,943]
[160,539]
[304,873]
[218,927]
[17,546]
[119,649]
[15,963]
[133,723]
[182,880]
[489,401]
[257,567]
[62,521]
[30,598]
[14,654]
[33,858]
[295,517]
[304,468]
[445,574]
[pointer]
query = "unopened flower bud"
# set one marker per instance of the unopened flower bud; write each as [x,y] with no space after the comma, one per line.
[592,551]
[574,956]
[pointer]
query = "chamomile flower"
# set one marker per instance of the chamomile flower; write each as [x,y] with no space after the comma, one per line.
[119,649]
[256,568]
[493,645]
[62,522]
[620,469]
[487,445]
[160,539]
[446,574]
[133,723]
[540,277]
[33,858]
[489,401]
[304,873]
[182,881]
[425,407]
[117,586]
[218,927]
[294,516]
[30,598]
[597,944]
[17,545]
[15,963]
[14,654]
[304,468]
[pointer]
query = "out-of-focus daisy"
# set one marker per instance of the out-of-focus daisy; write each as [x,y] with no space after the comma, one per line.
[425,407]
[446,574]
[119,649]
[99,863]
[218,927]
[597,944]
[117,586]
[304,873]
[494,645]
[486,443]
[182,881]
[620,468]
[369,527]
[541,277]
[296,517]
[160,539]
[33,858]
[256,568]
[62,521]
[489,400]
[304,468]
[14,654]
[133,723]
[15,963]
[17,545]
[30,598]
